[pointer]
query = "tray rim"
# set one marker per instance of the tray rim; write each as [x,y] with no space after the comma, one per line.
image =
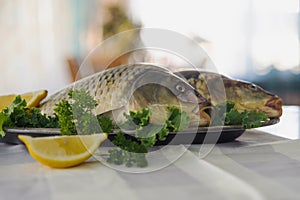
[198,130]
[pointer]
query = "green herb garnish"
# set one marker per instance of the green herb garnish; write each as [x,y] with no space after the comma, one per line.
[129,152]
[17,114]
[226,114]
[4,121]
[65,118]
[83,112]
[254,119]
[77,116]
[133,152]
[139,118]
[105,123]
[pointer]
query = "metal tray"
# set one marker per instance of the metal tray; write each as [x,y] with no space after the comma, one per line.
[190,136]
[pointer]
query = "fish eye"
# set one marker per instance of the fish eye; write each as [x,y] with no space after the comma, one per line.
[253,87]
[180,88]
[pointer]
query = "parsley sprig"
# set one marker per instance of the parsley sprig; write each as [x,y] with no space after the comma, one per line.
[129,152]
[17,114]
[77,114]
[227,114]
[133,152]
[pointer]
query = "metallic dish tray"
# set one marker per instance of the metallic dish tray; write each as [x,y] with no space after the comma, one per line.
[190,136]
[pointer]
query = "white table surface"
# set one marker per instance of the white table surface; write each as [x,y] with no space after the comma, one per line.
[258,165]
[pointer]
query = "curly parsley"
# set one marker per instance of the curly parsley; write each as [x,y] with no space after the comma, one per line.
[226,114]
[17,114]
[132,152]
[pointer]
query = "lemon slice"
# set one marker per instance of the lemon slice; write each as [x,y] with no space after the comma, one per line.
[62,151]
[32,98]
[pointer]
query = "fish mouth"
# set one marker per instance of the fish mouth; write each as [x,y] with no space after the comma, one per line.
[199,107]
[194,98]
[201,117]
[276,104]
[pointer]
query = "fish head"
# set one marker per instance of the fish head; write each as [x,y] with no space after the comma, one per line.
[179,87]
[185,92]
[165,88]
[251,96]
[208,84]
[217,88]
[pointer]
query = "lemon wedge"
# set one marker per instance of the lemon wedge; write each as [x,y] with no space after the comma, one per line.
[32,98]
[62,151]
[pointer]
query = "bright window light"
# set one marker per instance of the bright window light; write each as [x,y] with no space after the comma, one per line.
[239,35]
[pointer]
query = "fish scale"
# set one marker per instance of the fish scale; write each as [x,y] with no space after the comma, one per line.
[109,87]
[104,85]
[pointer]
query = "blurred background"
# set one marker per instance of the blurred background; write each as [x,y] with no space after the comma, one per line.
[43,42]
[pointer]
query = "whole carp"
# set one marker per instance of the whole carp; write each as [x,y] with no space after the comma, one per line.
[217,88]
[136,86]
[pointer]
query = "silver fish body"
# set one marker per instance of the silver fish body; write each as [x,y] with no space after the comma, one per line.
[133,87]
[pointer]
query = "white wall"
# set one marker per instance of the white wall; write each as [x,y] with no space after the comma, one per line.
[35,42]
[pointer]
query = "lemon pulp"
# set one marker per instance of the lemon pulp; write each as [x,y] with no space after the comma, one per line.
[32,98]
[62,151]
